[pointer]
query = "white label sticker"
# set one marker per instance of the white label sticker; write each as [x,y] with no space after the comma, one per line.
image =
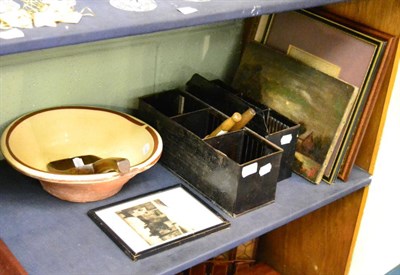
[286,139]
[265,169]
[249,169]
[78,162]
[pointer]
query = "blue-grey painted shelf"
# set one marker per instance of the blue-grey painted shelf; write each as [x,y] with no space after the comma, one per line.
[110,22]
[51,236]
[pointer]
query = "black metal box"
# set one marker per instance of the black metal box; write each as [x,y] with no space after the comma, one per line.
[238,170]
[268,123]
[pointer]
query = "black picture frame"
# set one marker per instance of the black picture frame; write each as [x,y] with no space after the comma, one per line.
[145,225]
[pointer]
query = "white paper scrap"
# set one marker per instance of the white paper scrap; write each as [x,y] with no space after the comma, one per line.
[187,10]
[42,19]
[134,5]
[8,5]
[11,33]
[71,17]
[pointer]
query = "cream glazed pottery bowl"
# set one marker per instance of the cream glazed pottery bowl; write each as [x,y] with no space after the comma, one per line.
[34,140]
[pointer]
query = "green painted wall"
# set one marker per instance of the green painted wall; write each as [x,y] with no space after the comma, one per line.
[114,73]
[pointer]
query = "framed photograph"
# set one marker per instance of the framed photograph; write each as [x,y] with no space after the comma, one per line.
[339,50]
[144,225]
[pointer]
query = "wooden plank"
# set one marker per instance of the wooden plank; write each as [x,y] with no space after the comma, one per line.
[383,16]
[357,228]
[9,265]
[319,243]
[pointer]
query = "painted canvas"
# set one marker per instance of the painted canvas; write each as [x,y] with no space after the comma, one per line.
[321,104]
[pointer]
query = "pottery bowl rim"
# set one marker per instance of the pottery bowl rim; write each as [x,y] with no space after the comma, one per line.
[43,175]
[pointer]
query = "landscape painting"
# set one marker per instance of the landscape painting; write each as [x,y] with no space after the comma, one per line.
[321,104]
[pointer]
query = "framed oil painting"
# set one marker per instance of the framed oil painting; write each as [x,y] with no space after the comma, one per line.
[144,225]
[350,53]
[321,104]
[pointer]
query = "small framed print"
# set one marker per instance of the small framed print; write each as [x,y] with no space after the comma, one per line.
[145,225]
